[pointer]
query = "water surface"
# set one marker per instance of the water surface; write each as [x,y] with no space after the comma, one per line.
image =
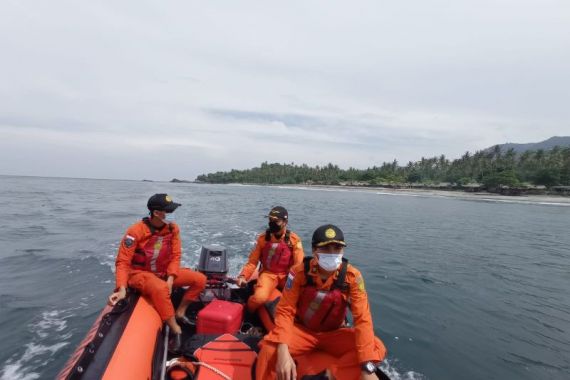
[459,289]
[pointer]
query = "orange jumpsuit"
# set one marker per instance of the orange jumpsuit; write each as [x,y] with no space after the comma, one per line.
[352,346]
[153,285]
[268,281]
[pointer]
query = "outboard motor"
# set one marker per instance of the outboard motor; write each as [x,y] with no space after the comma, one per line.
[213,261]
[214,264]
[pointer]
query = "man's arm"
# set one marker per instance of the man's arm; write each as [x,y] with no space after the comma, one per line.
[125,256]
[253,259]
[363,326]
[174,264]
[298,253]
[287,306]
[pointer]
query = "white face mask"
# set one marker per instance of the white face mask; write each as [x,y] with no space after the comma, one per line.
[330,261]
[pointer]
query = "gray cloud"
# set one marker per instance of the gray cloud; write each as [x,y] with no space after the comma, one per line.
[130,88]
[289,120]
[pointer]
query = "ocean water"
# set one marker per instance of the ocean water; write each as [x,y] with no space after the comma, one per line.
[459,288]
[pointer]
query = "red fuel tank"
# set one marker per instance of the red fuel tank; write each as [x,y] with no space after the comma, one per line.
[220,317]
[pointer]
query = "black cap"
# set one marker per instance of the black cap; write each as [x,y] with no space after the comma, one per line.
[327,234]
[161,202]
[278,212]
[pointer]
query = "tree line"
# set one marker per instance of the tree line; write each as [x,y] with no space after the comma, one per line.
[491,168]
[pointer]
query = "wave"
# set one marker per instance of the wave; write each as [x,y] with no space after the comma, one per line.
[389,368]
[430,194]
[33,250]
[32,231]
[42,349]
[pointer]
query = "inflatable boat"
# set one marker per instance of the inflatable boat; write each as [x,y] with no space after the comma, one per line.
[129,342]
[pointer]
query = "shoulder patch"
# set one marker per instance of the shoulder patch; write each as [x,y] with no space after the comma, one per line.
[360,283]
[128,241]
[290,279]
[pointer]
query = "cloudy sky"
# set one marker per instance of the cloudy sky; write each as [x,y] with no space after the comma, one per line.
[155,89]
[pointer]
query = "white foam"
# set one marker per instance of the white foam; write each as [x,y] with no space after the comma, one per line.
[429,194]
[525,202]
[13,371]
[51,324]
[402,194]
[17,369]
[51,320]
[390,370]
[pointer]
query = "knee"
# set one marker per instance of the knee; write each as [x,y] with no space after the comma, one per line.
[265,288]
[261,295]
[159,290]
[200,281]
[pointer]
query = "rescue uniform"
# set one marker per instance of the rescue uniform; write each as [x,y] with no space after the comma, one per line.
[277,256]
[147,256]
[350,345]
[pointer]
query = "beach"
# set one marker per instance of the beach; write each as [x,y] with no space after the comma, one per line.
[555,200]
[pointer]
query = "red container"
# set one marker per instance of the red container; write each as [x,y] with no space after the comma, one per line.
[220,317]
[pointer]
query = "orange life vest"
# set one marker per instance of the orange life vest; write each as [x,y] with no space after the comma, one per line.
[276,257]
[154,255]
[323,310]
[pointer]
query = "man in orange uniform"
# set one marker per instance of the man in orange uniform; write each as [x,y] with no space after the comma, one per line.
[149,261]
[317,294]
[277,249]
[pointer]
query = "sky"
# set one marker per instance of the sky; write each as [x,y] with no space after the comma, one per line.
[173,89]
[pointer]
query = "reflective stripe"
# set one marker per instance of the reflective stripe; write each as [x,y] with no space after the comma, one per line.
[314,306]
[270,254]
[155,253]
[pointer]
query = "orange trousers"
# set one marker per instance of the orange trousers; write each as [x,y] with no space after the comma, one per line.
[155,289]
[338,343]
[266,283]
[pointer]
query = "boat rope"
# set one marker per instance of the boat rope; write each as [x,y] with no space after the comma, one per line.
[210,367]
[213,369]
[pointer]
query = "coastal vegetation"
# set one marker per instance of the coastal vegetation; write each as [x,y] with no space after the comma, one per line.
[491,169]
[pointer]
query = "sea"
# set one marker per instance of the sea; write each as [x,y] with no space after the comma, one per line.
[459,288]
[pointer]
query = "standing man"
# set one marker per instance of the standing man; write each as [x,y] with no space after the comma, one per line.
[149,261]
[316,296]
[277,249]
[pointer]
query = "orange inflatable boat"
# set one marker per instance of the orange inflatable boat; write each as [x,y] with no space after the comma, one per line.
[129,342]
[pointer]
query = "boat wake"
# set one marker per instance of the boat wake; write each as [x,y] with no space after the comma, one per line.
[389,368]
[49,335]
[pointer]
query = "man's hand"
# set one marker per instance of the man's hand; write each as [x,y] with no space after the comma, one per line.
[169,282]
[241,281]
[368,376]
[285,367]
[117,296]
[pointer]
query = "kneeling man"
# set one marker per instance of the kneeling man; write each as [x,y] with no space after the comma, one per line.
[311,314]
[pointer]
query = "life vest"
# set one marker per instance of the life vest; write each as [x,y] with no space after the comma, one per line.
[323,310]
[277,257]
[154,255]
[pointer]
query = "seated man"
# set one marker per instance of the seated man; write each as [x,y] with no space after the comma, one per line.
[149,261]
[277,249]
[316,295]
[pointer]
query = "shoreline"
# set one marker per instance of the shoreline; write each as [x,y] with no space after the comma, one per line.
[555,200]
